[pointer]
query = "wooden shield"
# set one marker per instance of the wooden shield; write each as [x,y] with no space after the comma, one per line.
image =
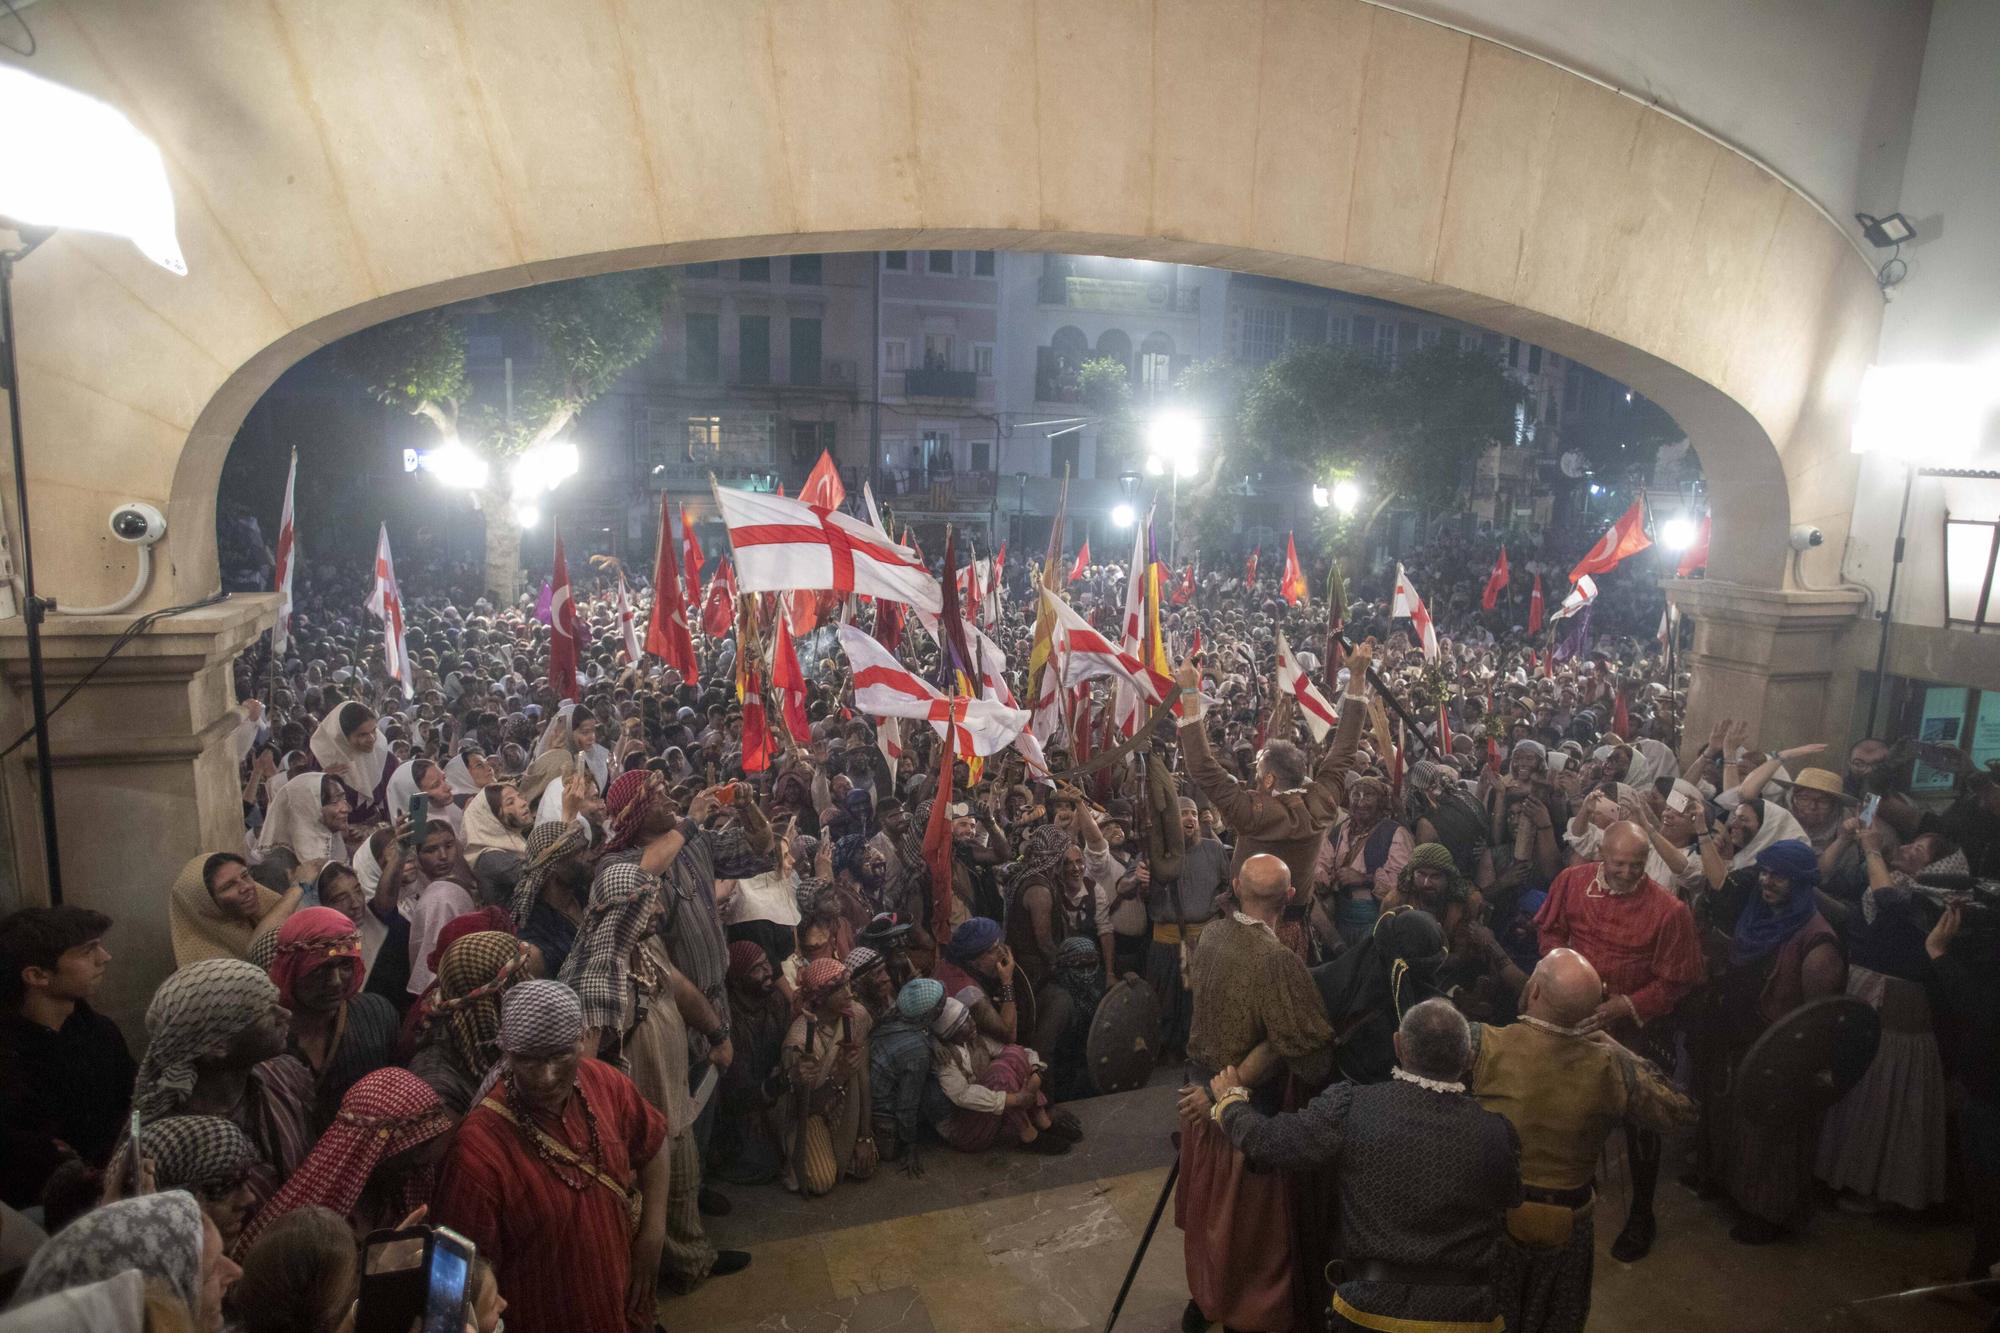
[1124,1037]
[1807,1060]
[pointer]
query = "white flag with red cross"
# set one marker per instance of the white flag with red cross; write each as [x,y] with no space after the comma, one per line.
[782,545]
[884,687]
[387,603]
[1293,680]
[1407,603]
[287,547]
[1084,654]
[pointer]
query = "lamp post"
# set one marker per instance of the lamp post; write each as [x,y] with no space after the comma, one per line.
[1173,442]
[84,166]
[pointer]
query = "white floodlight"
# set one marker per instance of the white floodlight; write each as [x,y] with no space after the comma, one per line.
[1678,533]
[1923,414]
[1346,497]
[1122,516]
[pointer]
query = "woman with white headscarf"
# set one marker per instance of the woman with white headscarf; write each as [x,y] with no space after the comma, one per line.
[309,817]
[347,745]
[424,775]
[574,730]
[165,1240]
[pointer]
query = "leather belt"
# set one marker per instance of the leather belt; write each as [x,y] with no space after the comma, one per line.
[1417,1275]
[1569,1198]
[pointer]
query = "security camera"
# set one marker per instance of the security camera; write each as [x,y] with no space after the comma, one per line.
[139,523]
[1805,536]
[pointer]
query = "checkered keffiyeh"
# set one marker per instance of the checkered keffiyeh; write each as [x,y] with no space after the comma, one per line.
[472,976]
[817,980]
[631,797]
[203,1154]
[549,844]
[197,1007]
[385,1113]
[624,900]
[543,1018]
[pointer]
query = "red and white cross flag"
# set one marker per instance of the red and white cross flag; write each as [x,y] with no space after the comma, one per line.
[287,549]
[1407,603]
[387,603]
[782,545]
[884,687]
[1083,654]
[1582,595]
[1293,680]
[627,623]
[889,740]
[1126,709]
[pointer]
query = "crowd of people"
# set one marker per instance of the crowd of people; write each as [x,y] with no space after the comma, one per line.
[559,974]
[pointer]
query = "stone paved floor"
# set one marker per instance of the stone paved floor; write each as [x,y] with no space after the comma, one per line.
[1006,1243]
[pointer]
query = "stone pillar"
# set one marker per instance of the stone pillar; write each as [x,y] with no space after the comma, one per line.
[1768,656]
[144,773]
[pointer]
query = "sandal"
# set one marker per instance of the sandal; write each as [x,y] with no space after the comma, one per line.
[1064,1125]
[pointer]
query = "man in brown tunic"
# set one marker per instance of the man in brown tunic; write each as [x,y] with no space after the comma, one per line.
[1254,1008]
[1284,814]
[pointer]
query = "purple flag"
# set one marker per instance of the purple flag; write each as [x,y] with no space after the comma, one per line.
[542,604]
[1577,641]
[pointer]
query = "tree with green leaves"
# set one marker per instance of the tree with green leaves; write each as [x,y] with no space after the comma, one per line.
[586,332]
[1405,433]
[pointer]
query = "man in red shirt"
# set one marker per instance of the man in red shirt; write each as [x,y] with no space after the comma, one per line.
[1643,943]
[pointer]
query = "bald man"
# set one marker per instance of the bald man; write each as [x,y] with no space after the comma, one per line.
[1642,941]
[1564,1086]
[1255,1011]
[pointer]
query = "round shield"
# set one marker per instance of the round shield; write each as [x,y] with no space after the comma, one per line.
[1807,1060]
[1124,1037]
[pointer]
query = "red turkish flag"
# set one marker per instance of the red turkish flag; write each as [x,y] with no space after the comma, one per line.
[1250,567]
[1293,585]
[1695,557]
[823,487]
[667,636]
[562,631]
[1082,563]
[1498,579]
[690,558]
[1535,608]
[1184,591]
[1625,537]
[718,611]
[790,684]
[1621,716]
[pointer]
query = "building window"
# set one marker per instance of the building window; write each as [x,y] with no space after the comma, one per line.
[982,359]
[753,349]
[1263,334]
[982,455]
[935,453]
[1156,360]
[1428,337]
[805,271]
[809,437]
[704,347]
[1336,329]
[1308,324]
[1063,453]
[937,351]
[895,355]
[897,261]
[1363,336]
[1385,344]
[805,362]
[1406,337]
[753,270]
[1534,360]
[941,261]
[982,263]
[704,436]
[709,270]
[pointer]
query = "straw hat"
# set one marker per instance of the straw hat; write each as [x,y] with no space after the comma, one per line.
[1822,781]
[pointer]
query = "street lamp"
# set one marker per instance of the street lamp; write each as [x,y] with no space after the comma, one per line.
[1122,516]
[1173,442]
[1346,497]
[1678,533]
[71,161]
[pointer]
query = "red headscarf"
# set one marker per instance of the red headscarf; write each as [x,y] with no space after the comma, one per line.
[817,980]
[308,941]
[383,1114]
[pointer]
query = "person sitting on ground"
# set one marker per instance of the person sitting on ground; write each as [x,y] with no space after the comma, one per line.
[825,1060]
[907,1099]
[995,1091]
[748,1148]
[337,1032]
[1067,1004]
[65,1071]
[978,970]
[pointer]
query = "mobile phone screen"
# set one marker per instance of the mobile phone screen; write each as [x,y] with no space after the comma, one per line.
[1868,808]
[450,1271]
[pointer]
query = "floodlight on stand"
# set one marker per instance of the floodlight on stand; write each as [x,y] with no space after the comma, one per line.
[1346,496]
[1678,533]
[1122,516]
[527,515]
[1175,437]
[456,466]
[1884,232]
[1923,414]
[1155,465]
[75,162]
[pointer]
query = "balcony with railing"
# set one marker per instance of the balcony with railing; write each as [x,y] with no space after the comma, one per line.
[936,382]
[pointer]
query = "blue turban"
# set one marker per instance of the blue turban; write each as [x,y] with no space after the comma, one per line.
[971,938]
[919,999]
[1794,860]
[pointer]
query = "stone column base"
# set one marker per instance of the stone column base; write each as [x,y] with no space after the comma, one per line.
[1767,656]
[143,773]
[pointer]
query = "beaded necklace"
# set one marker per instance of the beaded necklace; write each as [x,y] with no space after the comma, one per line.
[577,1179]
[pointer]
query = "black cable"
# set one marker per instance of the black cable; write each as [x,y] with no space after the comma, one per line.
[33,46]
[119,645]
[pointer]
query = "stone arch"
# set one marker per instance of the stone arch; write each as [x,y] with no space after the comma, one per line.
[1117,345]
